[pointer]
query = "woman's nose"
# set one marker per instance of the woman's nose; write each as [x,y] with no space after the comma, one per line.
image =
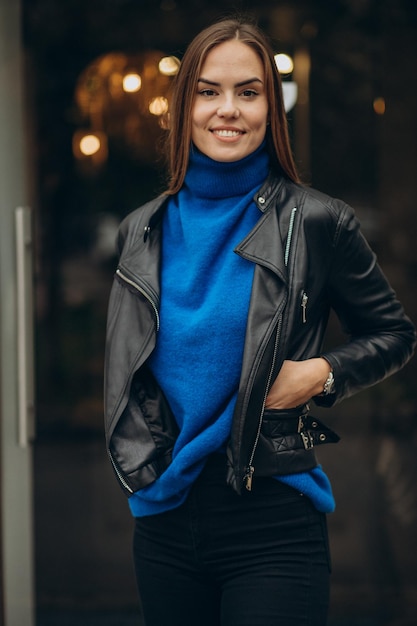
[228,108]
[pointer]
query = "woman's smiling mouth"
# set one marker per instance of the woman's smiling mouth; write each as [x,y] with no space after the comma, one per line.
[227,133]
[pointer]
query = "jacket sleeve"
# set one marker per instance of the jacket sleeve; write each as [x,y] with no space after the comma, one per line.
[381,337]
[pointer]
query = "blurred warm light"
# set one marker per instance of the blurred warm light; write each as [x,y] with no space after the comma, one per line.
[132,82]
[122,98]
[89,147]
[158,105]
[284,63]
[379,106]
[169,66]
[89,144]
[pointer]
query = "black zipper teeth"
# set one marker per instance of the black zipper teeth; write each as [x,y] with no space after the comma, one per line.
[142,291]
[119,475]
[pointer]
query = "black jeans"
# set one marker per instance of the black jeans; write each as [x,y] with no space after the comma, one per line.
[259,559]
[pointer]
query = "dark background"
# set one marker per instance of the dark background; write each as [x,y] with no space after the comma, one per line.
[357,51]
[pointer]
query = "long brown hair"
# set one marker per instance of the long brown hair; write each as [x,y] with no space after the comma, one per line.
[182,102]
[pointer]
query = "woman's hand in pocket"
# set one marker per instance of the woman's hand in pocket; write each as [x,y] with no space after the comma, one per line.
[297,382]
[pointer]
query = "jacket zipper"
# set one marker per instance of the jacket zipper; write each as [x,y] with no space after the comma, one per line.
[289,236]
[119,475]
[250,468]
[127,280]
[248,477]
[143,292]
[304,300]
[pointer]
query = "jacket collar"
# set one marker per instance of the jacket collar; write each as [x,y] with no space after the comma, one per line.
[264,244]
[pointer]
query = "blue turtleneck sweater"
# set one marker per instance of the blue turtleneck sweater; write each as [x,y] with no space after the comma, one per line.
[205,294]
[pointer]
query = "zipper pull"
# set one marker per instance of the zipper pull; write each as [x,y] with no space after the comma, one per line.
[304,301]
[146,232]
[248,477]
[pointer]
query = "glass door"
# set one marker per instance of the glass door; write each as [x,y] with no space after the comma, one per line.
[16,346]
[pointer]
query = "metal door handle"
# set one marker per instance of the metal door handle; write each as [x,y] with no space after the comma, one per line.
[25,323]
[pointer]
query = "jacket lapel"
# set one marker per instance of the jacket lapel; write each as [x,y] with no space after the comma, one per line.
[264,245]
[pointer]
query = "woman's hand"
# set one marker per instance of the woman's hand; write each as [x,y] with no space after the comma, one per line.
[297,382]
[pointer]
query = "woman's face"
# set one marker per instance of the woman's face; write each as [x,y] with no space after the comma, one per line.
[230,109]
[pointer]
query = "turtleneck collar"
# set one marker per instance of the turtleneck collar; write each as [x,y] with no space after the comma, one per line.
[206,178]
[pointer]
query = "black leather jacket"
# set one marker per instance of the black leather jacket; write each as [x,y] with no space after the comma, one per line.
[310,256]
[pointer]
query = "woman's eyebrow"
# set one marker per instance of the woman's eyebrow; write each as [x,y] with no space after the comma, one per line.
[247,81]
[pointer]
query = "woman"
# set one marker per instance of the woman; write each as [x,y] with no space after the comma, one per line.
[214,349]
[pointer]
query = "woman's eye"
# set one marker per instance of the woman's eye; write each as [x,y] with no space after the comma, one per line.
[207,92]
[248,93]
